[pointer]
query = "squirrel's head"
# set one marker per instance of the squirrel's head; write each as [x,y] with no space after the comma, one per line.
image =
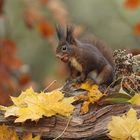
[66,43]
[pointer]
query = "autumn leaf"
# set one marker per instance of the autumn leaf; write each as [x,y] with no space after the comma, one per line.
[126,127]
[132,4]
[93,95]
[33,105]
[85,107]
[45,28]
[87,85]
[135,99]
[7,133]
[136,29]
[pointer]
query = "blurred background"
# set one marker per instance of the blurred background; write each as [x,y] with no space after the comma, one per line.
[28,40]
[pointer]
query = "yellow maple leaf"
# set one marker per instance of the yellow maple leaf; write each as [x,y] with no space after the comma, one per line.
[24,98]
[93,95]
[126,127]
[31,112]
[7,133]
[87,85]
[85,107]
[32,105]
[63,108]
[11,110]
[135,99]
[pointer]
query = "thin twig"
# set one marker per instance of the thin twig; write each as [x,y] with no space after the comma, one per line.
[131,89]
[129,78]
[133,83]
[64,129]
[49,85]
[111,85]
[123,77]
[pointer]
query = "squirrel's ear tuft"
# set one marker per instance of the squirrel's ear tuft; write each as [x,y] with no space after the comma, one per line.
[69,34]
[60,32]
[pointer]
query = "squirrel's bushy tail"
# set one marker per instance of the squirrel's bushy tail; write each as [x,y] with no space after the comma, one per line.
[101,46]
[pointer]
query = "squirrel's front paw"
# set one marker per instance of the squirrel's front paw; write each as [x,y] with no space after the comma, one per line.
[79,80]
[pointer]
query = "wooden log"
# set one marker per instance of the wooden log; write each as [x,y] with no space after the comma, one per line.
[92,125]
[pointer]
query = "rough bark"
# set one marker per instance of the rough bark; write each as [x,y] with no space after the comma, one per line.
[89,126]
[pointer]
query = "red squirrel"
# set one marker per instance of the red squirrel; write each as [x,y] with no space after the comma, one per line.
[89,59]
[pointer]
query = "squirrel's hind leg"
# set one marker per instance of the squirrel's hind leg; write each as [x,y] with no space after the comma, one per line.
[93,76]
[105,76]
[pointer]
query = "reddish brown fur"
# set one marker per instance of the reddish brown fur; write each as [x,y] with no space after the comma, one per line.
[85,58]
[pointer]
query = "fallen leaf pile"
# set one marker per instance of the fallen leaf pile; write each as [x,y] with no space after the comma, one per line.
[7,133]
[93,95]
[33,105]
[126,127]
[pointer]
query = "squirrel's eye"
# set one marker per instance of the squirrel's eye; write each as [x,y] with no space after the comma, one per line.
[64,48]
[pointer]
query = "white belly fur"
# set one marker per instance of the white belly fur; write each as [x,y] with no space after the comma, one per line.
[76,64]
